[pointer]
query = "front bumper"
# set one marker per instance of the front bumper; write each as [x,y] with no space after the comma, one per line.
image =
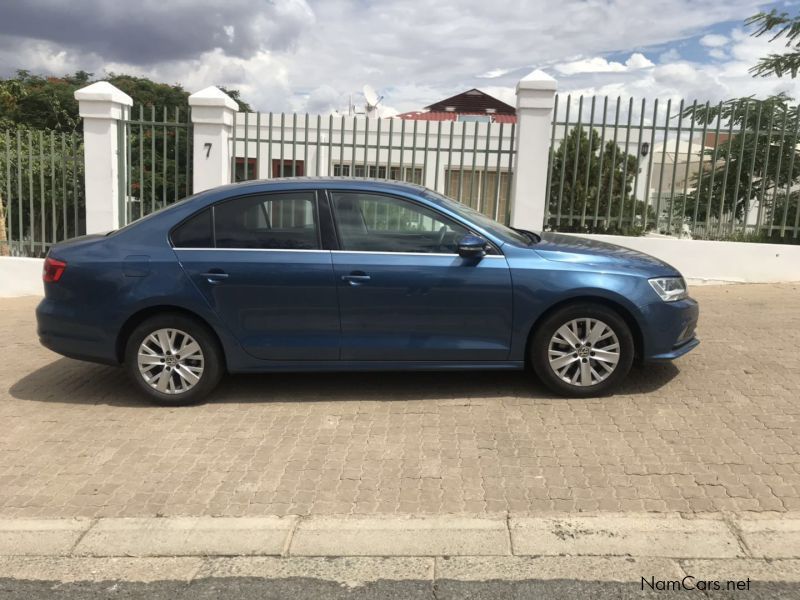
[677,352]
[669,329]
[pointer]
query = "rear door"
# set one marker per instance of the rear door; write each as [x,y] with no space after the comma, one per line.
[404,292]
[260,263]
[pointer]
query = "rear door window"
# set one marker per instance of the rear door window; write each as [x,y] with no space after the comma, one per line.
[285,221]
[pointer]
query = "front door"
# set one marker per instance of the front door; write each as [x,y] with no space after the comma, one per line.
[404,292]
[265,273]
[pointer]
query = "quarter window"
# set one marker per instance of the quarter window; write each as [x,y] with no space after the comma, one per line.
[195,232]
[377,223]
[270,221]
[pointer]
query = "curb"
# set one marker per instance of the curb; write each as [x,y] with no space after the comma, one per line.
[640,536]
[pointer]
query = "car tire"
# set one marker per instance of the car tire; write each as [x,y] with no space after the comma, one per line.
[165,376]
[573,362]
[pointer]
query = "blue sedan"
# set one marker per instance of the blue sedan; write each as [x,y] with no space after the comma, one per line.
[354,275]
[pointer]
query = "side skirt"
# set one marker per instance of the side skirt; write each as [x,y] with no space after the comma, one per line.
[362,366]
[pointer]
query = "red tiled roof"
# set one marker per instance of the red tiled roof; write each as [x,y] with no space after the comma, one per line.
[417,115]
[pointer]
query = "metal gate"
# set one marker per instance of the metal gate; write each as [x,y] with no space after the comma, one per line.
[155,157]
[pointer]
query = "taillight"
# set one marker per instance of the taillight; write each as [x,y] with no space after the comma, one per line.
[53,270]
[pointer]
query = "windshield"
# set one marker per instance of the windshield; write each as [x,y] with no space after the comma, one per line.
[503,232]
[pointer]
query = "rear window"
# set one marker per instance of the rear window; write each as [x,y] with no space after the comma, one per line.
[194,232]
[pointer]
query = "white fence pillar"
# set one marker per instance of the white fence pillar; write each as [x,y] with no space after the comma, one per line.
[213,114]
[535,96]
[102,106]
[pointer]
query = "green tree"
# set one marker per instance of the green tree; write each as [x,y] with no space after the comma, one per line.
[779,25]
[587,179]
[37,113]
[49,102]
[748,167]
[758,165]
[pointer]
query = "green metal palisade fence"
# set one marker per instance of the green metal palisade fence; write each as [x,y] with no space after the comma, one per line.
[155,160]
[728,170]
[709,171]
[42,189]
[472,162]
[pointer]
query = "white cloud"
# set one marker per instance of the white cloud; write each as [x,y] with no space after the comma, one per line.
[726,77]
[494,73]
[638,61]
[598,64]
[713,40]
[670,55]
[718,54]
[298,54]
[589,65]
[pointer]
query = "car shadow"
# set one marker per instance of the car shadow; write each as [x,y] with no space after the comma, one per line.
[74,382]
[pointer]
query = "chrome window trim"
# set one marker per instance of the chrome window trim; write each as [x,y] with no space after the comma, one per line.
[255,250]
[382,253]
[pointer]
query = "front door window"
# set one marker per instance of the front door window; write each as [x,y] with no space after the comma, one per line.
[370,222]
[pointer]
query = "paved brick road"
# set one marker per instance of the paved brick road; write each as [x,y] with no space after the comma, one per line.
[719,430]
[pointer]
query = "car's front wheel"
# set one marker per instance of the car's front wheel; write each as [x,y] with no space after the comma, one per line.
[582,350]
[174,359]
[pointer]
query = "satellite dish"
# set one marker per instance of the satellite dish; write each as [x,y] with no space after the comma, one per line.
[370,96]
[372,100]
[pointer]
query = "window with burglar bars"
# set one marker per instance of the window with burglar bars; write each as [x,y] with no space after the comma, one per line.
[713,171]
[480,190]
[422,152]
[396,173]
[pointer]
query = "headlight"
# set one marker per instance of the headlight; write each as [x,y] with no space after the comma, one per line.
[670,288]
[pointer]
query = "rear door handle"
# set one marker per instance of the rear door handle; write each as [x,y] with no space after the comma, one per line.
[215,276]
[356,278]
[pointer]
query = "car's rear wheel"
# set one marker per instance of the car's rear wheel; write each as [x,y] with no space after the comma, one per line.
[174,359]
[582,350]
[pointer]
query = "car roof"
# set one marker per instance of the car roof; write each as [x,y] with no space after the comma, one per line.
[327,182]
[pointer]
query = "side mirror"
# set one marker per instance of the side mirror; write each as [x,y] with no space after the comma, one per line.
[472,246]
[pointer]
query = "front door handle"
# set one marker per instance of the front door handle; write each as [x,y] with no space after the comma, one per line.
[215,276]
[356,278]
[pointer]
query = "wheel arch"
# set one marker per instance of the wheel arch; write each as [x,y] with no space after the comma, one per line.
[137,318]
[617,306]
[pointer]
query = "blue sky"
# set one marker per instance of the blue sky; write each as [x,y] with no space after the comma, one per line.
[312,55]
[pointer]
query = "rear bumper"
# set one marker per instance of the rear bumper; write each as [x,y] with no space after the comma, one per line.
[62,330]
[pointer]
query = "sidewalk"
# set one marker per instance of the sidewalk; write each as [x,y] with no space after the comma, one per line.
[555,553]
[712,536]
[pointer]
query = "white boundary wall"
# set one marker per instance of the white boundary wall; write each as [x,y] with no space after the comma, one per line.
[700,261]
[705,261]
[21,277]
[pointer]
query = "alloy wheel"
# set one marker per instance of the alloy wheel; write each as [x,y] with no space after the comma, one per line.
[584,352]
[170,361]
